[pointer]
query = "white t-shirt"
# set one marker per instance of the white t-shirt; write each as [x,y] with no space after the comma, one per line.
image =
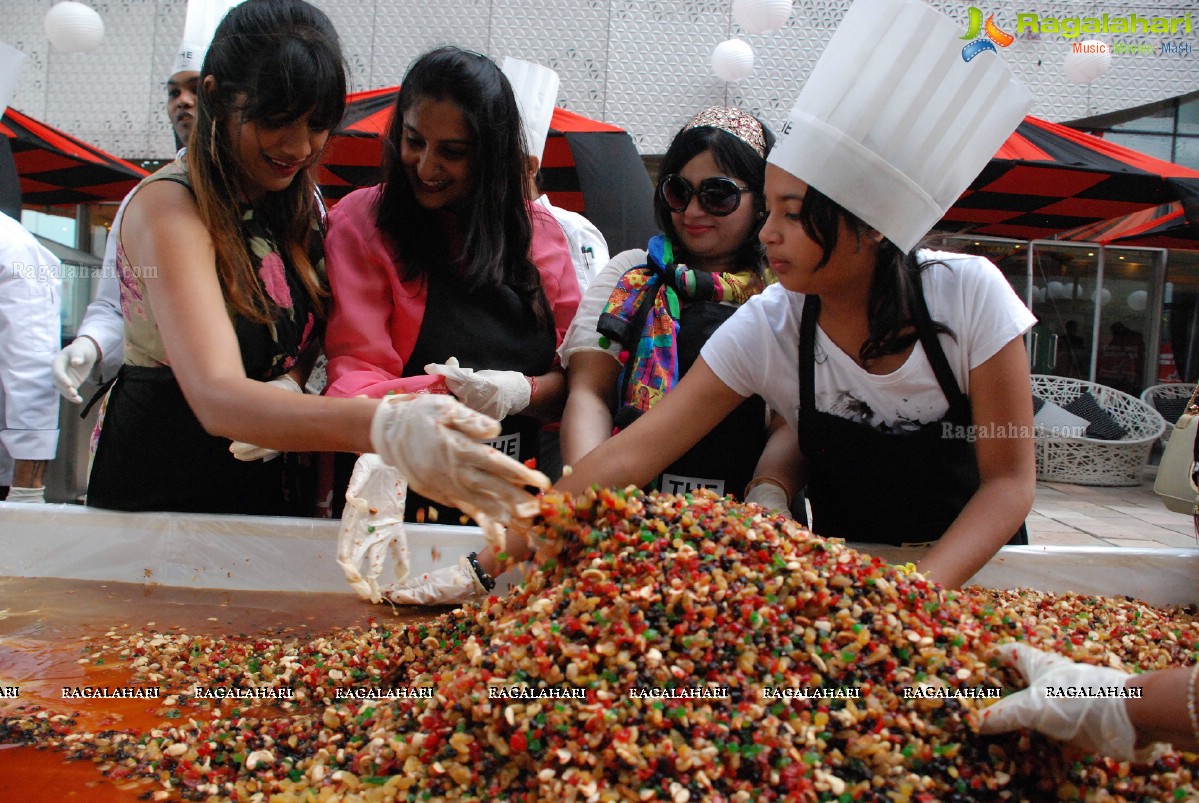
[757,349]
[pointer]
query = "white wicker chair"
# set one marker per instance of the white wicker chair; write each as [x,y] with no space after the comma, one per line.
[1091,461]
[1169,392]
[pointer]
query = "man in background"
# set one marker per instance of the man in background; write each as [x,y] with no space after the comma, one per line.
[30,333]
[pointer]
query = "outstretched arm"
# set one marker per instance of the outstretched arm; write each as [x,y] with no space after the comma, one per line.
[587,419]
[638,454]
[1001,401]
[162,227]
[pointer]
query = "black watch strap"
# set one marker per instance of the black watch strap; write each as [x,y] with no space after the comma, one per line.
[485,579]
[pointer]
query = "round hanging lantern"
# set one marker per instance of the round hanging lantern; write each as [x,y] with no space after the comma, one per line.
[732,60]
[73,27]
[1088,61]
[1057,290]
[761,16]
[1138,300]
[1101,297]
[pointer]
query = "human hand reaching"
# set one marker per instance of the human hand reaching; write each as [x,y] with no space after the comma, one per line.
[1093,724]
[498,394]
[434,441]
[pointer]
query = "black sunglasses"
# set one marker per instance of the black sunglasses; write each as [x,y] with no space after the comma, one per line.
[718,195]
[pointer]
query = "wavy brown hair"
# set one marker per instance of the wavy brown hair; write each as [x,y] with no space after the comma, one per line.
[273,62]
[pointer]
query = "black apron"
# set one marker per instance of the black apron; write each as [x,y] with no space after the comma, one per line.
[725,459]
[489,328]
[153,454]
[886,488]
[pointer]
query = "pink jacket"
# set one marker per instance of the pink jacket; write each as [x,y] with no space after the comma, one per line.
[374,318]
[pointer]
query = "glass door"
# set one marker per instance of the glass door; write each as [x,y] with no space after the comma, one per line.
[1065,278]
[1128,320]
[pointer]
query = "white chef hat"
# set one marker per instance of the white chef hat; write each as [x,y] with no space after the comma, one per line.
[203,16]
[893,124]
[536,90]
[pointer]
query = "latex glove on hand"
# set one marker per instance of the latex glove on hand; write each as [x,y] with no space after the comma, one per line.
[433,440]
[72,365]
[449,586]
[1094,725]
[771,497]
[498,394]
[247,452]
[28,496]
[372,526]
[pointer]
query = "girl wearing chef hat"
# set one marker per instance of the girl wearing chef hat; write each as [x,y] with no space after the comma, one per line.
[902,371]
[223,294]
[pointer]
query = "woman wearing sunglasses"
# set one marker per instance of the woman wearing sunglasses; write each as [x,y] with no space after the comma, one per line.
[643,322]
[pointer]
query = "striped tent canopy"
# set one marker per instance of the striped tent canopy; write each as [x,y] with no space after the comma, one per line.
[588,167]
[1048,179]
[1164,226]
[57,169]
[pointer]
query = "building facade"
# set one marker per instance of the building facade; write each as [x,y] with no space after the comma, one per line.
[640,64]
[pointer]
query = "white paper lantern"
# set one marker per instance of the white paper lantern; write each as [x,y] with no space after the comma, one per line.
[1055,290]
[73,27]
[1101,297]
[1138,300]
[1038,294]
[1088,61]
[732,60]
[761,16]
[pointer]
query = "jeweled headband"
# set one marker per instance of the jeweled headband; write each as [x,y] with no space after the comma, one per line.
[741,125]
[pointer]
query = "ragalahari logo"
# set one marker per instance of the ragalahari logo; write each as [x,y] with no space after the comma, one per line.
[983,37]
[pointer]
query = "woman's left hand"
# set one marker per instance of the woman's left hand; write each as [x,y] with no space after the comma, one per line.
[498,394]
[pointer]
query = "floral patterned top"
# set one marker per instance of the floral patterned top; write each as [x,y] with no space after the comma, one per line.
[268,350]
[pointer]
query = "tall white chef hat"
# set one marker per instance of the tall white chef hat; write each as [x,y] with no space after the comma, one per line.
[536,90]
[202,18]
[893,124]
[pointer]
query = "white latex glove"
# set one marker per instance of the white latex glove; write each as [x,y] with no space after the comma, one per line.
[372,525]
[247,452]
[771,497]
[30,496]
[1094,725]
[433,440]
[72,365]
[498,394]
[449,586]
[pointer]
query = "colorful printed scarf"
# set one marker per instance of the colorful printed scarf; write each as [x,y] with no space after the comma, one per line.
[642,314]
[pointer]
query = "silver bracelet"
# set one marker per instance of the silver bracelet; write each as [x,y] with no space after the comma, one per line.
[1191,701]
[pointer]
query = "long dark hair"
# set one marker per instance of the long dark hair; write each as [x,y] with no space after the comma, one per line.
[496,228]
[736,159]
[273,61]
[893,289]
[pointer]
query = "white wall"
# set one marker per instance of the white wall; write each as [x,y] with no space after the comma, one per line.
[641,64]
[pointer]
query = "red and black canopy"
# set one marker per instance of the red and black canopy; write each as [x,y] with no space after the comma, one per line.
[588,166]
[1164,226]
[1048,179]
[56,168]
